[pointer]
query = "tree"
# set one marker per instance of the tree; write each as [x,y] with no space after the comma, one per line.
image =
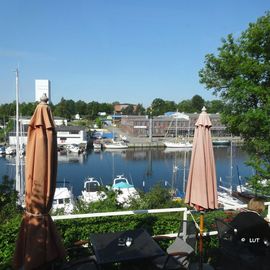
[27,109]
[65,108]
[240,75]
[170,106]
[81,107]
[197,102]
[185,106]
[160,106]
[92,109]
[214,106]
[157,106]
[129,110]
[140,110]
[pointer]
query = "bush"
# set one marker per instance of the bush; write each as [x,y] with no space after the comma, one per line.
[72,230]
[10,216]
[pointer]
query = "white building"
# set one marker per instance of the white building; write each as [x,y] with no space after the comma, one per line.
[71,135]
[42,87]
[65,135]
[23,127]
[58,121]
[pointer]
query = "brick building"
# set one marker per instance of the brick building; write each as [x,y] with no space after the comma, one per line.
[166,125]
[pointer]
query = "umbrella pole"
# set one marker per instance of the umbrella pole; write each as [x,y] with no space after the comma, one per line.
[201,240]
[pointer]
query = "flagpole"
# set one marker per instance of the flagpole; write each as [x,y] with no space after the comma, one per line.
[18,180]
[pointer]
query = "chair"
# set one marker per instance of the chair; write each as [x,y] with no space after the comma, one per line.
[232,253]
[180,251]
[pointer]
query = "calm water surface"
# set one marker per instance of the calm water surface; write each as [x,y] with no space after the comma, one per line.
[144,167]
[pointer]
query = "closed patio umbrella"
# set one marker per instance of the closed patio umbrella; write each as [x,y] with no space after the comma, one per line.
[38,243]
[201,191]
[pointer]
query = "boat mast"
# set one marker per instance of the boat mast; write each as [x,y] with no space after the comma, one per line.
[231,166]
[176,133]
[18,178]
[184,172]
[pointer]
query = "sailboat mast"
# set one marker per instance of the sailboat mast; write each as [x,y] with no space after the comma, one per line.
[184,172]
[18,180]
[176,133]
[231,165]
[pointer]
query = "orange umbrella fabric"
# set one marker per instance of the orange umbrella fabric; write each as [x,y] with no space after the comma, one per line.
[201,191]
[38,243]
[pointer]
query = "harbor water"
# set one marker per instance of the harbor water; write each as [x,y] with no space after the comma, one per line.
[143,166]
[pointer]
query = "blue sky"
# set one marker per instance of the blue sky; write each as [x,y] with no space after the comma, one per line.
[115,50]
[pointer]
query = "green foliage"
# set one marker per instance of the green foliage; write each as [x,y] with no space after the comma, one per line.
[98,122]
[8,199]
[4,132]
[10,216]
[160,106]
[109,204]
[89,111]
[8,235]
[240,76]
[157,197]
[140,110]
[185,106]
[197,103]
[73,230]
[129,110]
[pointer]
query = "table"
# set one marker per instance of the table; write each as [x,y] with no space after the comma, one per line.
[111,247]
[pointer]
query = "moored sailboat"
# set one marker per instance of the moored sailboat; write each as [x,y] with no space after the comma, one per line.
[182,142]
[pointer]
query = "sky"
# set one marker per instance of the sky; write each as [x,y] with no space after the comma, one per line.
[131,51]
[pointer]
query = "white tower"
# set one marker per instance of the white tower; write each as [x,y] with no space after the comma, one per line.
[42,87]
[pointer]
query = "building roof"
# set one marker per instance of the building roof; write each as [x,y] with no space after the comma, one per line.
[70,128]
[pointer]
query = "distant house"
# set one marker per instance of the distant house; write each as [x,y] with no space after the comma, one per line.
[119,107]
[71,135]
[65,134]
[58,121]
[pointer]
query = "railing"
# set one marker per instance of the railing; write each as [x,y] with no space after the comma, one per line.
[185,211]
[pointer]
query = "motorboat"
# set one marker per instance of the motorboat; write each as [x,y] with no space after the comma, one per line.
[221,142]
[63,198]
[73,148]
[115,145]
[11,150]
[2,150]
[62,150]
[92,191]
[97,145]
[125,190]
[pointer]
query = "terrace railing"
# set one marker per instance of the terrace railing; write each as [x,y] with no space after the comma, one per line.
[185,211]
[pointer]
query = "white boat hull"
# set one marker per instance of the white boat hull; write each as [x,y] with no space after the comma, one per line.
[97,146]
[115,145]
[63,199]
[228,201]
[178,144]
[89,197]
[91,191]
[126,194]
[125,191]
